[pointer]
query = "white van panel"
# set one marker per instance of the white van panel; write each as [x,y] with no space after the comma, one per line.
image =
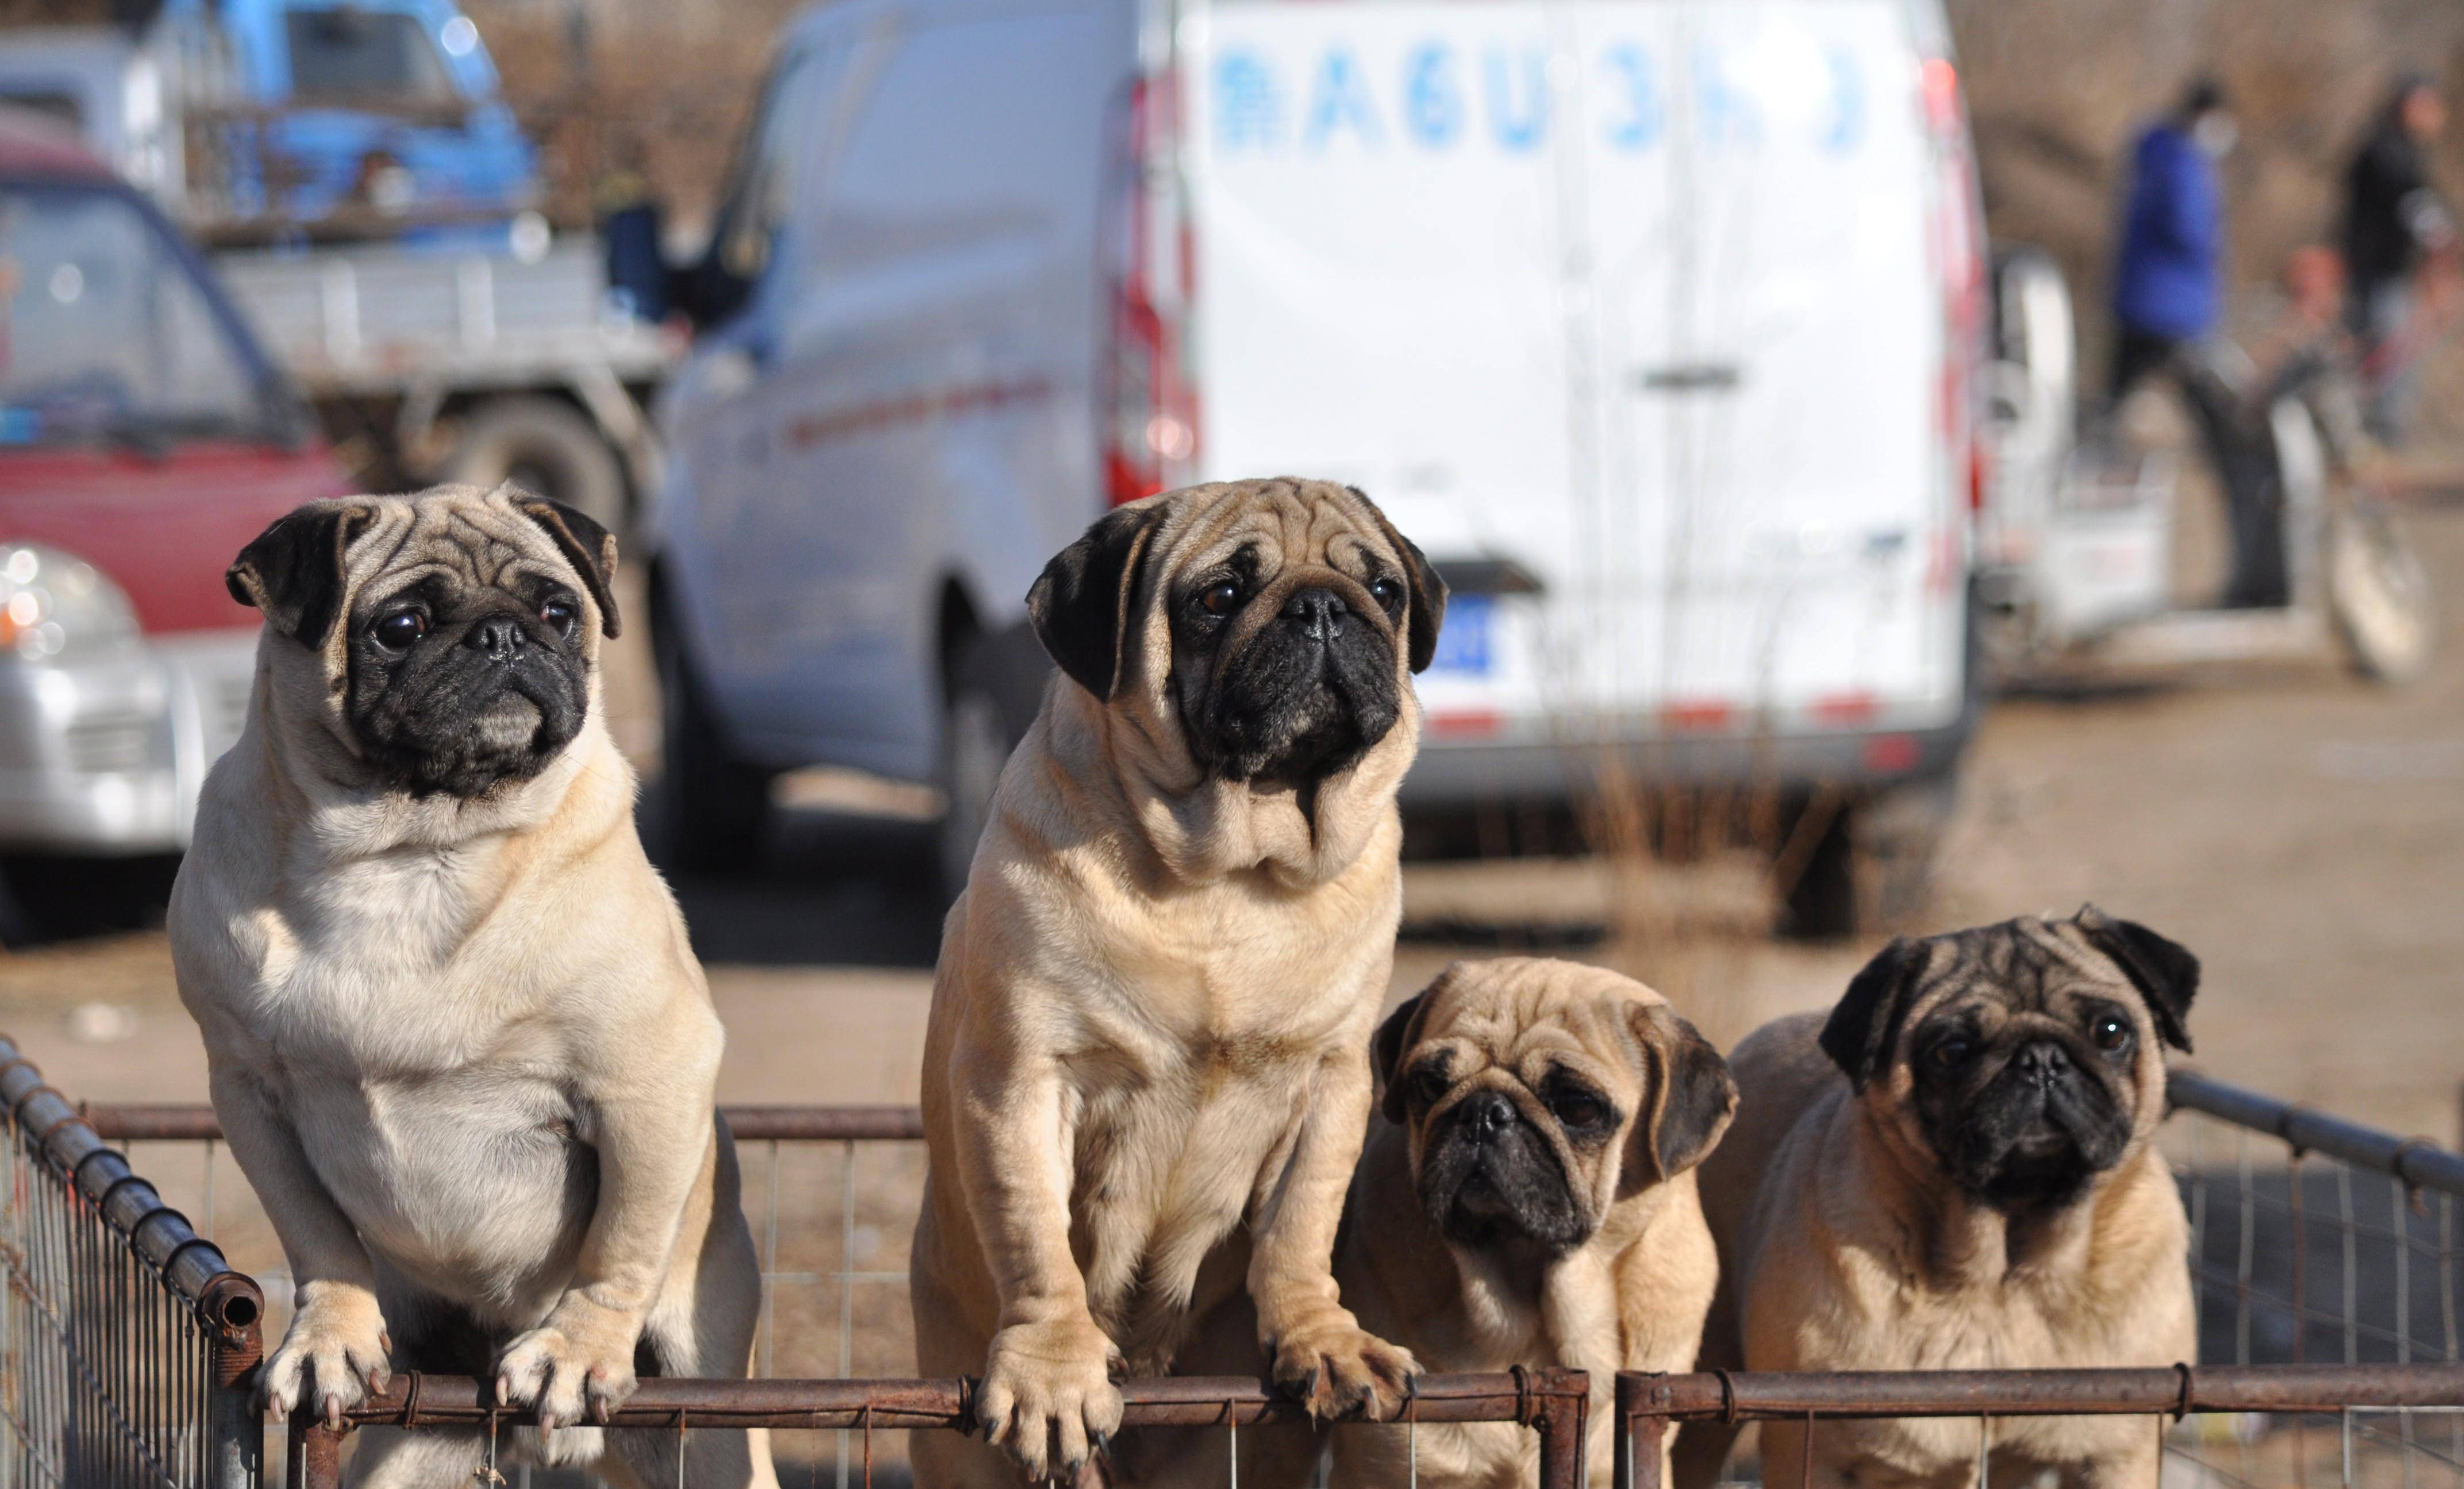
[924,407]
[1637,293]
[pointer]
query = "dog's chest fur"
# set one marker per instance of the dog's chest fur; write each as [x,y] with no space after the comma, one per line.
[1196,1060]
[417,1068]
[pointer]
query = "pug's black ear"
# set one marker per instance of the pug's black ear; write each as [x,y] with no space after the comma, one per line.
[2165,973]
[1079,605]
[294,570]
[1427,610]
[590,548]
[1398,1034]
[1692,1100]
[1859,1035]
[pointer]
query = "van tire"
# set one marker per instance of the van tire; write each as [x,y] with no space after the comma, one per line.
[986,712]
[545,446]
[713,807]
[1821,900]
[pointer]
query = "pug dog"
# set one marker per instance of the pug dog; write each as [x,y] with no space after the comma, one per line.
[1527,1196]
[1955,1170]
[1146,1072]
[456,1036]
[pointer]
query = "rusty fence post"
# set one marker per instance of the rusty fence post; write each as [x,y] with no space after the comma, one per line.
[1557,1405]
[1640,1441]
[233,1311]
[315,1458]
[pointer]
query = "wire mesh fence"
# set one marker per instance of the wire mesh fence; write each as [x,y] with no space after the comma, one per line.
[2314,1243]
[124,1339]
[1553,1403]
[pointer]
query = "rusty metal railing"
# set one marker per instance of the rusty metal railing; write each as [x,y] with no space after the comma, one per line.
[1647,1406]
[2316,1242]
[126,1343]
[1553,1403]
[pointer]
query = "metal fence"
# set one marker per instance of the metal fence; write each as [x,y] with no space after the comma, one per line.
[125,1342]
[2315,1243]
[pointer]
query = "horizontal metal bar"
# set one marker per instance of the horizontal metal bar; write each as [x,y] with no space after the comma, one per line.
[147,1122]
[2417,1161]
[1176,1401]
[1749,1396]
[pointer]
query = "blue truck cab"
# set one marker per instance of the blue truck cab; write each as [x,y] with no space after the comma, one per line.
[387,104]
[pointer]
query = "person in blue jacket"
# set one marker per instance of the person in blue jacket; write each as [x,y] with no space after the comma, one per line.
[2168,281]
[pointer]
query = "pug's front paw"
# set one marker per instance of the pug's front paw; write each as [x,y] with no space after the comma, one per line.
[566,1376]
[1341,1369]
[1050,1394]
[332,1358]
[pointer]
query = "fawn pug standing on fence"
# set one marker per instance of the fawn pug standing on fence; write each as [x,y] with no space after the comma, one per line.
[1956,1171]
[1146,1074]
[457,1039]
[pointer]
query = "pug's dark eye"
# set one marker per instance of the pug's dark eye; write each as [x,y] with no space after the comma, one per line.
[1429,1086]
[1219,599]
[399,631]
[1578,1110]
[1386,592]
[1949,1054]
[559,614]
[2111,1032]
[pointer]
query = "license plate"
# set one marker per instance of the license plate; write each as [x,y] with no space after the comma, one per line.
[1465,641]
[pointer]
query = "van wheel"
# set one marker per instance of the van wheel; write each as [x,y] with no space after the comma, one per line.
[987,714]
[713,807]
[544,445]
[1870,866]
[1821,898]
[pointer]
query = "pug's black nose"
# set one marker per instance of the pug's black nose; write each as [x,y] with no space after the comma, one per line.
[1321,612]
[1486,1115]
[2043,1062]
[499,636]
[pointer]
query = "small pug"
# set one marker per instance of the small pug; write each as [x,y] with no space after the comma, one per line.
[456,1036]
[1526,1197]
[1146,1072]
[1955,1170]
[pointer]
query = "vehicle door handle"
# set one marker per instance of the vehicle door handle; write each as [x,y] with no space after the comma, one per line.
[1689,377]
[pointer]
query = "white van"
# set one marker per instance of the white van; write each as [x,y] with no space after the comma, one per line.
[1653,322]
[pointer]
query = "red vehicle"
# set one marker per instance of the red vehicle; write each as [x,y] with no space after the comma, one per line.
[144,437]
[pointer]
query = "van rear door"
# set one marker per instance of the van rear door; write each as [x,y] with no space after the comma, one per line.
[1643,295]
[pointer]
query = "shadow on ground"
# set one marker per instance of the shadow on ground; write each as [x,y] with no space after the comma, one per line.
[833,888]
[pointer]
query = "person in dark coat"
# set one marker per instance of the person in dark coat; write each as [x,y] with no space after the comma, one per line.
[2395,221]
[2167,278]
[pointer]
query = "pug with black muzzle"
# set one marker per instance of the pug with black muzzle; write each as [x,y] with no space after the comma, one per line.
[1526,1197]
[1146,1072]
[1956,1170]
[456,1036]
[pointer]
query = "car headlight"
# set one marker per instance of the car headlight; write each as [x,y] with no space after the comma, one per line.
[51,601]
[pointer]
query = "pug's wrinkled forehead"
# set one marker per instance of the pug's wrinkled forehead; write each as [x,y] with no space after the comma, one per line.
[1278,523]
[334,560]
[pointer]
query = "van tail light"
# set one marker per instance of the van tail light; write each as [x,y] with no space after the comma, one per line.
[1151,402]
[1960,255]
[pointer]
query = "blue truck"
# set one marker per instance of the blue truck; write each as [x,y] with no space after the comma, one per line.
[371,202]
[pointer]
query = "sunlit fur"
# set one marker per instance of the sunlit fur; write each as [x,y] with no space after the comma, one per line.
[1146,1072]
[1951,1215]
[459,1042]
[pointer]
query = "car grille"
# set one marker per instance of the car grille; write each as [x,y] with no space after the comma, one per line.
[104,744]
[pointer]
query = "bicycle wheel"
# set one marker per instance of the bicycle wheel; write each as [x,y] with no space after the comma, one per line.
[2378,594]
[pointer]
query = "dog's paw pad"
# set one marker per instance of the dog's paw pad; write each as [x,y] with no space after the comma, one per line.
[1050,1395]
[332,1358]
[565,1380]
[1343,1372]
